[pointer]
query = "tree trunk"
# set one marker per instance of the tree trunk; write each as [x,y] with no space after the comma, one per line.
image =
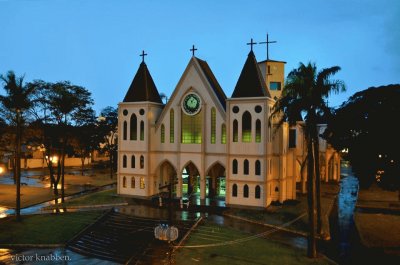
[317,181]
[82,164]
[62,177]
[18,168]
[312,244]
[111,164]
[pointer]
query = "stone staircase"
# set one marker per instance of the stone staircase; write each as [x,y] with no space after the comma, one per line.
[124,238]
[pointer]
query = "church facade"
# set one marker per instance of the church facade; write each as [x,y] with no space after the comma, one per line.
[209,145]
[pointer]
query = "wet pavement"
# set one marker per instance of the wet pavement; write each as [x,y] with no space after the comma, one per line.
[346,202]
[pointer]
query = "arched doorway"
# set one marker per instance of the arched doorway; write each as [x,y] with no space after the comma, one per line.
[215,181]
[166,174]
[190,180]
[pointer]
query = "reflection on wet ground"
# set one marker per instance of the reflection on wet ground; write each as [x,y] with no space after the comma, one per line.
[346,204]
[347,199]
[39,208]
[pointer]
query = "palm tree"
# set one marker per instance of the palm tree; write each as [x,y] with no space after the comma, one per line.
[14,105]
[304,95]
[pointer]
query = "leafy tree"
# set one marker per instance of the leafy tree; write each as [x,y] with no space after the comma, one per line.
[84,140]
[106,132]
[62,106]
[365,126]
[15,106]
[304,95]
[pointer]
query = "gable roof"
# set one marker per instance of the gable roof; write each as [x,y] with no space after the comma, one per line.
[142,87]
[213,81]
[250,82]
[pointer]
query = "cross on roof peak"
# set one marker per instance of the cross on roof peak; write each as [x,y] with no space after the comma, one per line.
[251,43]
[143,55]
[193,49]
[267,42]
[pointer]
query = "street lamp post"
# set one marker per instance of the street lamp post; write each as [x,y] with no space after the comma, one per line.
[18,166]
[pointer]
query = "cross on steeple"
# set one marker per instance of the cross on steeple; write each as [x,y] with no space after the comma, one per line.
[193,49]
[143,55]
[251,43]
[267,42]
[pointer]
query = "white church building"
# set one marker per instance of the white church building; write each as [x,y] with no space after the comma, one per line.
[209,145]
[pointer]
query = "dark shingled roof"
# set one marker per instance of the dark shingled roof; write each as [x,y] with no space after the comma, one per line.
[250,82]
[142,87]
[213,81]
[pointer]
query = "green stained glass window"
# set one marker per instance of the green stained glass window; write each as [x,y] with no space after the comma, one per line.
[162,133]
[192,128]
[258,131]
[223,133]
[142,131]
[213,125]
[235,130]
[171,126]
[246,127]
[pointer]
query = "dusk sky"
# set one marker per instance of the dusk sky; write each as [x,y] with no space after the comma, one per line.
[96,43]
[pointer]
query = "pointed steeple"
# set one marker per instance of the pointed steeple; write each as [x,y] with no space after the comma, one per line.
[142,87]
[250,82]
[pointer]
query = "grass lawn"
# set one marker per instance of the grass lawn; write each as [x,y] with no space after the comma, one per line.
[253,251]
[46,228]
[378,230]
[278,215]
[291,209]
[97,198]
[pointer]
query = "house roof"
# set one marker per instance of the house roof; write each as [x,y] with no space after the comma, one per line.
[250,82]
[269,60]
[212,81]
[142,87]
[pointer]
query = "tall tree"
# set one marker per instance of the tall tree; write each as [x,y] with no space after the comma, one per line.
[107,125]
[15,107]
[364,125]
[304,95]
[63,106]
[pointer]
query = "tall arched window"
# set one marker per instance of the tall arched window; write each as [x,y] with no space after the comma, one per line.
[235,130]
[125,131]
[141,161]
[258,131]
[213,125]
[234,190]
[234,166]
[258,192]
[162,133]
[246,127]
[133,182]
[124,182]
[246,191]
[133,127]
[133,162]
[258,167]
[223,133]
[171,126]
[124,161]
[142,131]
[246,167]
